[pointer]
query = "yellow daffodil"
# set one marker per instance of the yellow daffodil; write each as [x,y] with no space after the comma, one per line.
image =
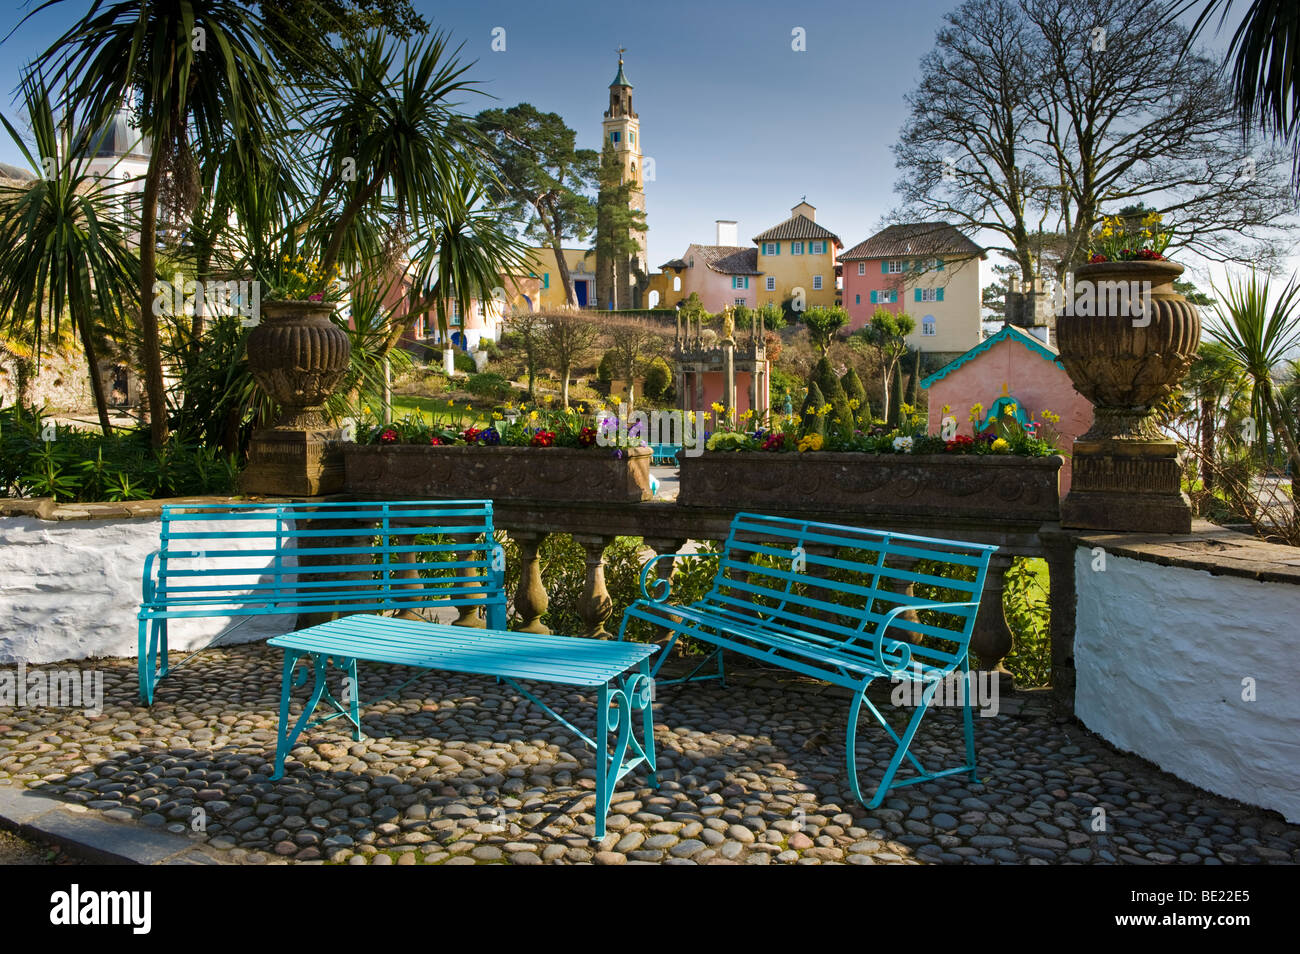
[718,408]
[977,412]
[947,409]
[1000,446]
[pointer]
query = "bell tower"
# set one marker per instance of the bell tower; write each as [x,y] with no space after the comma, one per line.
[622,132]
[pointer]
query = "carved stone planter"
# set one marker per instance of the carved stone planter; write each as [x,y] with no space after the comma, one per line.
[862,485]
[298,356]
[511,473]
[1125,472]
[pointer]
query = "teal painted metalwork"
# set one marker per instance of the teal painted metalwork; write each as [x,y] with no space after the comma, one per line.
[836,603]
[323,558]
[509,656]
[665,454]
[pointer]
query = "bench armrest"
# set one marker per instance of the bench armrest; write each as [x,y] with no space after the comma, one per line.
[662,588]
[901,647]
[148,583]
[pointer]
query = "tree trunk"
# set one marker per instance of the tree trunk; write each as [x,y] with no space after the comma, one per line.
[151,348]
[1207,444]
[562,266]
[96,382]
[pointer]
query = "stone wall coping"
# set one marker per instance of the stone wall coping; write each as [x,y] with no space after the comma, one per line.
[1216,550]
[44,508]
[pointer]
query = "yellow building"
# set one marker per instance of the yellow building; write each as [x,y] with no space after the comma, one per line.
[544,267]
[797,259]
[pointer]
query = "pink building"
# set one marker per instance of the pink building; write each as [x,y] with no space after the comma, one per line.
[720,274]
[1010,366]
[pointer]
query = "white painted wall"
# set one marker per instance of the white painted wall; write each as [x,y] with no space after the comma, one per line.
[70,589]
[1160,654]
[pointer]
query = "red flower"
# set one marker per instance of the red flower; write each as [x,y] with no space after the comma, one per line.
[435,440]
[388,437]
[315,296]
[471,435]
[1097,258]
[587,436]
[543,439]
[959,443]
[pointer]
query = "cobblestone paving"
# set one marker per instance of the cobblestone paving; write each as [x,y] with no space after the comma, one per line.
[459,770]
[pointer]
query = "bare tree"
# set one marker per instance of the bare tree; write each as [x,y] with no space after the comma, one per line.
[567,339]
[634,340]
[1035,118]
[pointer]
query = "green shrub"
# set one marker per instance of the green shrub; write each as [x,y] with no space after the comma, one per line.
[488,384]
[841,417]
[42,459]
[489,348]
[810,421]
[658,380]
[854,391]
[465,364]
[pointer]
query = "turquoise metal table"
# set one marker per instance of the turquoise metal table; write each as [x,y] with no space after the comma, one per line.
[619,672]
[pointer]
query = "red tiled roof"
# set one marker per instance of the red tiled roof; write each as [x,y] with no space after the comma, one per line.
[797,227]
[917,238]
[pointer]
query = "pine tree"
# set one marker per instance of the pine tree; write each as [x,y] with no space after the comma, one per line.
[616,221]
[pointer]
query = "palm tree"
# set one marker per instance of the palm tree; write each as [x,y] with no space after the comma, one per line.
[63,241]
[203,77]
[1263,55]
[389,130]
[1258,336]
[465,257]
[1213,376]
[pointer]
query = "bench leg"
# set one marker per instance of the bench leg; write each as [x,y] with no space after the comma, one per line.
[901,744]
[285,736]
[615,710]
[152,647]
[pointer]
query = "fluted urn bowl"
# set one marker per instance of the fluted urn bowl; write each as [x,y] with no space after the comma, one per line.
[1122,359]
[298,356]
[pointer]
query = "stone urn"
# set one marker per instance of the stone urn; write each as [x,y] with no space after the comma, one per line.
[298,356]
[1126,339]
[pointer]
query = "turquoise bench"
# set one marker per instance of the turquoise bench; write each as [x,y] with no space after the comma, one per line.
[665,454]
[596,664]
[836,603]
[321,560]
[241,561]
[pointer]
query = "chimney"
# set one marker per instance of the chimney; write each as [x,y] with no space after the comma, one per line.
[726,232]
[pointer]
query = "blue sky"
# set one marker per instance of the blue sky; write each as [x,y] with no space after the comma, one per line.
[739,125]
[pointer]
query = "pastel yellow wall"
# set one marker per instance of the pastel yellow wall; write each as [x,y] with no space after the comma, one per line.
[956,318]
[797,271]
[582,267]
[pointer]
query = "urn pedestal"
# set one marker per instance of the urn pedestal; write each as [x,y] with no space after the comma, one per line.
[297,356]
[1125,355]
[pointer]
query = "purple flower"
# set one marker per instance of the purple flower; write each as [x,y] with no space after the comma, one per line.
[618,453]
[315,296]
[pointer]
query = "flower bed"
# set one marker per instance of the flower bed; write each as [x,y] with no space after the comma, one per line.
[844,483]
[415,471]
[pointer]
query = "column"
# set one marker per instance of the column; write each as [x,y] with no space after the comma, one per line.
[1062,601]
[530,596]
[472,616]
[991,640]
[595,607]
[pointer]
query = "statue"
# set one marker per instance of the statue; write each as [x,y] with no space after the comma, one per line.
[728,324]
[787,407]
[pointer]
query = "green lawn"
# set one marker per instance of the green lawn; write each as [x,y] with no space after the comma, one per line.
[434,410]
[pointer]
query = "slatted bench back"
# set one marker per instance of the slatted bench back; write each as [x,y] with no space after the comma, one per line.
[255,559]
[832,586]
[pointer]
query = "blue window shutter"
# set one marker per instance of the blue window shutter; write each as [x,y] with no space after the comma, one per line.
[939,294]
[857,299]
[873,298]
[746,281]
[546,280]
[918,295]
[940,265]
[884,267]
